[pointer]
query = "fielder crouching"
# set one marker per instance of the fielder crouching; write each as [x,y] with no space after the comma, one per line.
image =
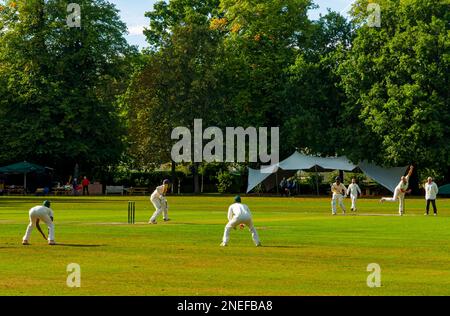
[41,213]
[239,214]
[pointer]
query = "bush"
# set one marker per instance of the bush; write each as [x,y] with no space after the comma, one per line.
[225,182]
[315,179]
[360,178]
[143,179]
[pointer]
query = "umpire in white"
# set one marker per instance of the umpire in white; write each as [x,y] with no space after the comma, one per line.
[431,191]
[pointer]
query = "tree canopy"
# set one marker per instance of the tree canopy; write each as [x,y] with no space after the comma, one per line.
[396,80]
[334,86]
[58,84]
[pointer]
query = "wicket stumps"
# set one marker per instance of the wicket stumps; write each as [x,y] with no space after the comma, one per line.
[131,212]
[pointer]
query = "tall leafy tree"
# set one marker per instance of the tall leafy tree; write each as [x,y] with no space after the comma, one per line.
[262,40]
[177,84]
[396,78]
[314,100]
[59,83]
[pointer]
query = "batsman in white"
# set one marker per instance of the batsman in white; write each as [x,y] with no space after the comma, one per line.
[338,189]
[159,201]
[239,214]
[41,213]
[353,190]
[399,192]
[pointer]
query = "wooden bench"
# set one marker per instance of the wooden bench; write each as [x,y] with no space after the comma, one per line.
[15,190]
[138,191]
[62,190]
[42,191]
[114,189]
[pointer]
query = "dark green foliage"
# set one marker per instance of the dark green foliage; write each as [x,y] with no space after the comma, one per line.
[58,85]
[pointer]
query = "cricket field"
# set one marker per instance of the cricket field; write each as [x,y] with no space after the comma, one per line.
[306,251]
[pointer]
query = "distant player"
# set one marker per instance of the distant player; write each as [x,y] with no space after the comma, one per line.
[399,192]
[338,189]
[239,215]
[159,201]
[41,213]
[353,190]
[431,191]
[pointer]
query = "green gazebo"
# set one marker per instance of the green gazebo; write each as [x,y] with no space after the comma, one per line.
[445,189]
[22,168]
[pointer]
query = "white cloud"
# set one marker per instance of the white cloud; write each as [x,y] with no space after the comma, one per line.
[136,29]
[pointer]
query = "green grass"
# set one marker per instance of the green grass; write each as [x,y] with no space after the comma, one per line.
[306,250]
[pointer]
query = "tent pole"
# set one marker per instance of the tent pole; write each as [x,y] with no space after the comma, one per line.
[317,180]
[276,180]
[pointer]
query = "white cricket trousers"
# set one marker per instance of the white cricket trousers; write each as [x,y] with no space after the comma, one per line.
[401,201]
[337,198]
[237,221]
[160,207]
[42,216]
[353,198]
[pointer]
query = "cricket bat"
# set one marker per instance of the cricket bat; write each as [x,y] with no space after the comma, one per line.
[40,230]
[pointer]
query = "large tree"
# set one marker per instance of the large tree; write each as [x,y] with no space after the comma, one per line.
[261,42]
[177,83]
[58,84]
[238,64]
[314,100]
[396,78]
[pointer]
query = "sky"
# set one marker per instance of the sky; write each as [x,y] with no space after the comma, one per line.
[132,13]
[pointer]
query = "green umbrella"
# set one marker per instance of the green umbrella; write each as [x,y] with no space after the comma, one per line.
[22,168]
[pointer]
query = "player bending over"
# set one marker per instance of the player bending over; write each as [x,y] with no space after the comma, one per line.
[41,213]
[239,214]
[353,190]
[159,201]
[399,192]
[338,189]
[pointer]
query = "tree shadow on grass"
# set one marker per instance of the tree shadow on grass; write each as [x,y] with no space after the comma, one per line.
[181,223]
[287,247]
[78,245]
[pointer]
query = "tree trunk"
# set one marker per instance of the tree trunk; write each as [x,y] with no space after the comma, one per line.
[173,175]
[202,185]
[196,178]
[341,175]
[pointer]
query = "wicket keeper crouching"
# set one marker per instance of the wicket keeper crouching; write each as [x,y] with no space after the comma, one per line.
[239,214]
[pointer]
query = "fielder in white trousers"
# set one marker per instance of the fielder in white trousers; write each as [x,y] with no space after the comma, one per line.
[338,190]
[238,214]
[40,213]
[399,192]
[353,190]
[400,196]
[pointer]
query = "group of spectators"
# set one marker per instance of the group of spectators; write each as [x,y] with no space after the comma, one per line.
[288,186]
[84,186]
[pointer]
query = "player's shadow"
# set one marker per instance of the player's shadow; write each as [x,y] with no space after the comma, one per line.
[79,245]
